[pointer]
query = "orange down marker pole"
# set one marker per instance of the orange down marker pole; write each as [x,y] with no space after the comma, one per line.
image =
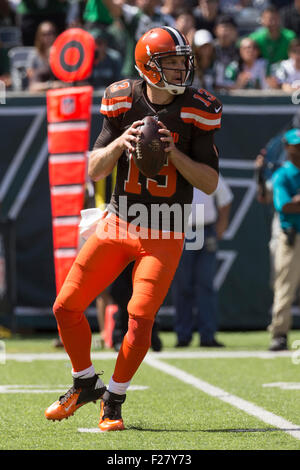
[68,116]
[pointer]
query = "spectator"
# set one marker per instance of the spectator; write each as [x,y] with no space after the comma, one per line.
[75,13]
[273,40]
[280,3]
[270,158]
[226,50]
[206,14]
[40,75]
[193,284]
[286,199]
[232,6]
[33,12]
[7,15]
[96,15]
[136,19]
[249,72]
[265,192]
[288,72]
[185,23]
[108,62]
[236,6]
[4,67]
[290,16]
[173,7]
[204,52]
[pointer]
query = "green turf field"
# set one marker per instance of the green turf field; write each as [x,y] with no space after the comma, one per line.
[237,398]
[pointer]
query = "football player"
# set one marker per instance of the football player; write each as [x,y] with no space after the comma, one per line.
[188,119]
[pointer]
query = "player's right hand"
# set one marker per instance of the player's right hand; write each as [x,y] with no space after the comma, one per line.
[129,138]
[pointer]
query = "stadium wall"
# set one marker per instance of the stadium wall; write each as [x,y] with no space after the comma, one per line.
[243,276]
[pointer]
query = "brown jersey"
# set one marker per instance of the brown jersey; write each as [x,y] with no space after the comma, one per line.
[192,119]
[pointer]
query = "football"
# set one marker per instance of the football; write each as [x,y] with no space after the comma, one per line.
[149,155]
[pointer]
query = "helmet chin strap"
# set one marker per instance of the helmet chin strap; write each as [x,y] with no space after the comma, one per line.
[172,89]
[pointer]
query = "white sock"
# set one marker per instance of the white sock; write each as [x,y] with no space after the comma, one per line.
[118,387]
[84,374]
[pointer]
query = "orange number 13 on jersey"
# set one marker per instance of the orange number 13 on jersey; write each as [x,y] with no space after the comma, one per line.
[165,189]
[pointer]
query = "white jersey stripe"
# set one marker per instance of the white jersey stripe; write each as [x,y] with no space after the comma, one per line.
[202,120]
[116,106]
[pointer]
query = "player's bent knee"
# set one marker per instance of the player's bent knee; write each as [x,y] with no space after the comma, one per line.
[142,307]
[139,332]
[64,316]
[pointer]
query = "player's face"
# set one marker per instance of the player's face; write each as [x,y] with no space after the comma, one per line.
[174,68]
[294,154]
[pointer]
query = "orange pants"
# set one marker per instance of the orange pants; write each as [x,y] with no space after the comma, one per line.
[100,261]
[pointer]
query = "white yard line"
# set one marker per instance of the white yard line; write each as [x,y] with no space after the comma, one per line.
[154,360]
[216,392]
[11,389]
[106,355]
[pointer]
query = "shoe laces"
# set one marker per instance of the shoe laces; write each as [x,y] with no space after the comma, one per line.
[64,398]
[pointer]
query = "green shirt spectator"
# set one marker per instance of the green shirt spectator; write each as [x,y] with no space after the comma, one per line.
[273,50]
[96,13]
[273,40]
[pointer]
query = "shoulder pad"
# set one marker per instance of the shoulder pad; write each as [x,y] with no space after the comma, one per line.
[117,99]
[202,109]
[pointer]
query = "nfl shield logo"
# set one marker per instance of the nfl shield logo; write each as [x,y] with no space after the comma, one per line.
[67,105]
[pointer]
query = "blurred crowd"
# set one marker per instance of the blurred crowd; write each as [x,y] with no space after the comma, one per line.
[238,44]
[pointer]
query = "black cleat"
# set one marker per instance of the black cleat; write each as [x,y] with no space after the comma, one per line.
[110,412]
[83,391]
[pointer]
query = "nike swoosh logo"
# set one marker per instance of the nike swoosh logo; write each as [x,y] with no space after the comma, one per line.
[114,421]
[72,403]
[218,109]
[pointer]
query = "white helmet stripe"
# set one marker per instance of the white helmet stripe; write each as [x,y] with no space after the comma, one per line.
[176,35]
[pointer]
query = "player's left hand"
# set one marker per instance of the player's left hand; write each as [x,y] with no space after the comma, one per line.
[167,138]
